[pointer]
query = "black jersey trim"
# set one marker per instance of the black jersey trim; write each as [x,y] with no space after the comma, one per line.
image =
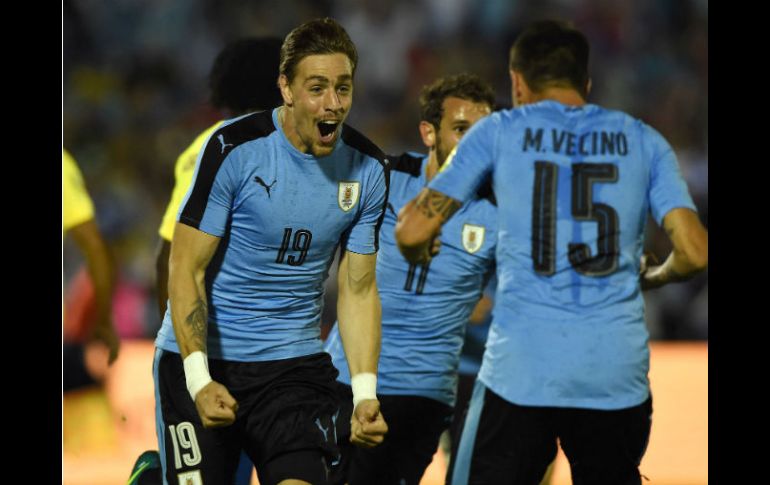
[220,144]
[407,163]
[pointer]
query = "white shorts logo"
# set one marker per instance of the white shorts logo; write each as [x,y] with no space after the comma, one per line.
[190,478]
[473,237]
[347,195]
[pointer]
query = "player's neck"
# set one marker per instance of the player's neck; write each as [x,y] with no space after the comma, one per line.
[287,122]
[566,96]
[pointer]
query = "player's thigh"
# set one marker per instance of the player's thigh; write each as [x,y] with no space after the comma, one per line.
[190,454]
[291,433]
[606,447]
[338,470]
[417,436]
[502,443]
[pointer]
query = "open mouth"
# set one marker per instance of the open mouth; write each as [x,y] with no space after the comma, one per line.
[327,129]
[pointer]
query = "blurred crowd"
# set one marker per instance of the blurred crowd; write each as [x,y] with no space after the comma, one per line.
[135,96]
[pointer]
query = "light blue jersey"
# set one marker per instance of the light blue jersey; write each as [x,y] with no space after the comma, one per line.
[425,308]
[574,186]
[476,337]
[281,215]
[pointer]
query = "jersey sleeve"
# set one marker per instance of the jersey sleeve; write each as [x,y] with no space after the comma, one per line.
[183,173]
[77,206]
[210,197]
[667,189]
[471,163]
[364,236]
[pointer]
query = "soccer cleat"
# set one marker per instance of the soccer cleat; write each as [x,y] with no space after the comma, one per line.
[147,470]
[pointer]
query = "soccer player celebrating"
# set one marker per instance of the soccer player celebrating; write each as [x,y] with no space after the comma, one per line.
[239,361]
[242,80]
[567,354]
[424,307]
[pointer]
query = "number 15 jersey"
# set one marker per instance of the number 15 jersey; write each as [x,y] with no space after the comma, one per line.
[280,214]
[574,186]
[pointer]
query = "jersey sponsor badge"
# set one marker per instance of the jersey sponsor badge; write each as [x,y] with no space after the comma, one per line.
[473,237]
[347,195]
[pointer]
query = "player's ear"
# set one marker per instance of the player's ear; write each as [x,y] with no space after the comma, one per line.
[428,134]
[283,84]
[517,89]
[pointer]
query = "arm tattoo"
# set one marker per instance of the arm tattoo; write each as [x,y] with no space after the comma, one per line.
[197,322]
[434,203]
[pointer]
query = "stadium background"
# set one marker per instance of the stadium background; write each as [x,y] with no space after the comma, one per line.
[135,95]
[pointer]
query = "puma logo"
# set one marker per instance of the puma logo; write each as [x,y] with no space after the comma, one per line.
[325,431]
[261,182]
[221,139]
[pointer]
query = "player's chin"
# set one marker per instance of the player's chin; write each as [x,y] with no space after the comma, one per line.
[322,149]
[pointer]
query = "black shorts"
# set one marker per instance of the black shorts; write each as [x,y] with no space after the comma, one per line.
[414,426]
[285,420]
[504,443]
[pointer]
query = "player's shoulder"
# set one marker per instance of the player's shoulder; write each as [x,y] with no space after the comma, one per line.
[650,139]
[617,117]
[650,134]
[358,142]
[409,163]
[236,131]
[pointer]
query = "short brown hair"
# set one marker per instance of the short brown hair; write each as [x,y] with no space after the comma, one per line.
[464,86]
[318,36]
[551,53]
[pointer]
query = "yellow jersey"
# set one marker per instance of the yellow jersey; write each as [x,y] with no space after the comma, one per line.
[183,173]
[77,206]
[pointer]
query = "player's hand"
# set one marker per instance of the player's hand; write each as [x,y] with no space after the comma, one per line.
[216,407]
[647,263]
[106,334]
[435,246]
[367,426]
[648,259]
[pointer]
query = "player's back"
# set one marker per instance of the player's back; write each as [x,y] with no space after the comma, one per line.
[574,185]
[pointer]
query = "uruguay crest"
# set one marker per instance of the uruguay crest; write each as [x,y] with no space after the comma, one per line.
[347,195]
[473,237]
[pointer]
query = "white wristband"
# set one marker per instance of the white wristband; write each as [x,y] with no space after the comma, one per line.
[364,387]
[196,372]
